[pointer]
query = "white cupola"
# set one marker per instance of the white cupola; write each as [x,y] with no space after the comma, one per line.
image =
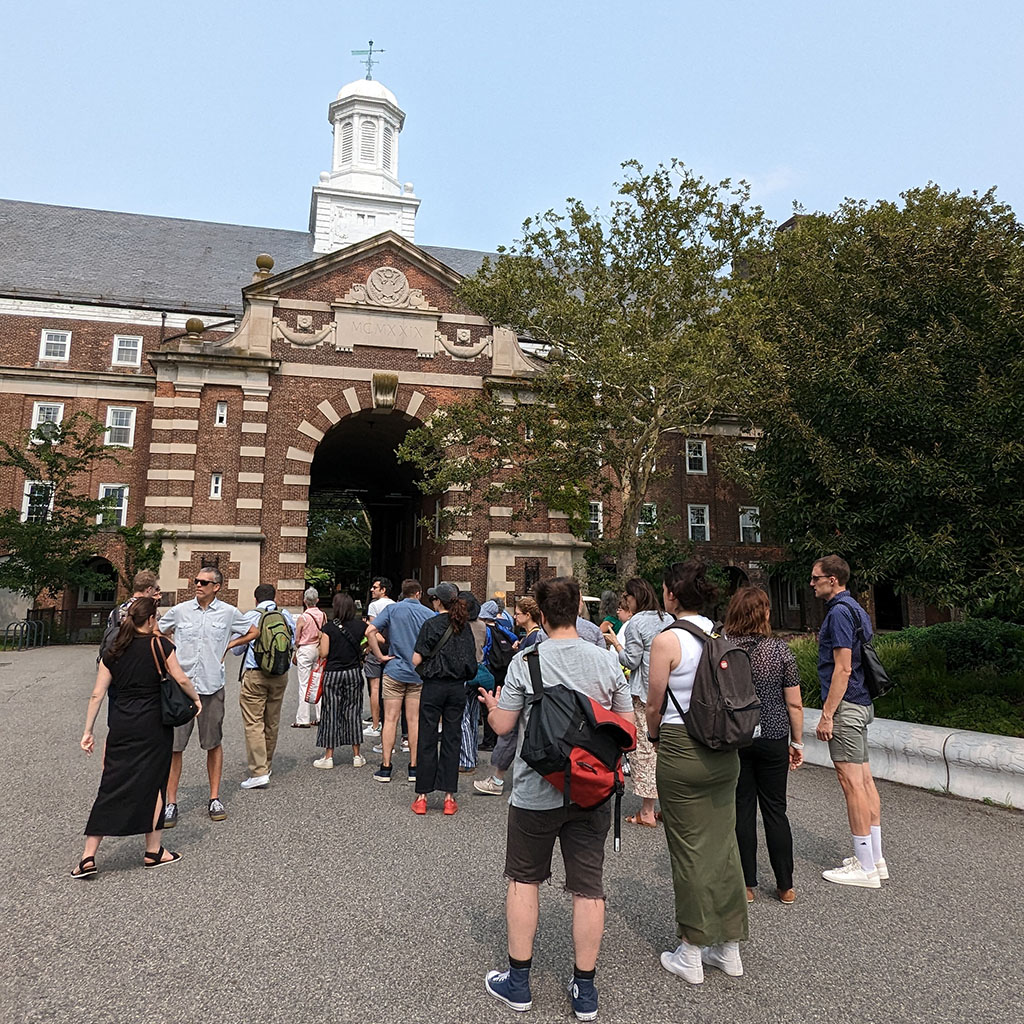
[361,196]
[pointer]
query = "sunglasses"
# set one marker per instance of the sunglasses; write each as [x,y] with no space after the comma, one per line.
[203,583]
[814,579]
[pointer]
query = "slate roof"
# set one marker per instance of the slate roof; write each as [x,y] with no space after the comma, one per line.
[130,259]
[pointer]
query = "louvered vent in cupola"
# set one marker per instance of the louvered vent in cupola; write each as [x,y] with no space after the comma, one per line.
[368,142]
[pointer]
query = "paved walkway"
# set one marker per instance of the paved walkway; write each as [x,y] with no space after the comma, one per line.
[323,899]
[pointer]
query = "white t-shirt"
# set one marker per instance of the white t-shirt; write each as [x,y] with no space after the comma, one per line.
[680,679]
[376,607]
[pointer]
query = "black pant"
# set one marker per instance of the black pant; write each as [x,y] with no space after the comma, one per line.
[764,771]
[440,700]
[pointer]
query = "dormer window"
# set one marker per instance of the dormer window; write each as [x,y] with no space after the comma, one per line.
[368,142]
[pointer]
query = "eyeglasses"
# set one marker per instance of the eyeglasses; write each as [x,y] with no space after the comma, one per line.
[203,583]
[814,579]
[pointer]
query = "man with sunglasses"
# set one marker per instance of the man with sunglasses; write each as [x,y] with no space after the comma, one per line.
[846,713]
[204,629]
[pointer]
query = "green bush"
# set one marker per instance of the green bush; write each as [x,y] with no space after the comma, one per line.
[967,645]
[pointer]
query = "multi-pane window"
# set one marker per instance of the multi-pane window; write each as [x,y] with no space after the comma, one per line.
[648,517]
[699,522]
[220,418]
[127,350]
[55,345]
[750,524]
[792,597]
[595,528]
[46,417]
[36,502]
[120,425]
[696,457]
[116,513]
[216,485]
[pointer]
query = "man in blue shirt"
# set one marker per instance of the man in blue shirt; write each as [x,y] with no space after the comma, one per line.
[400,684]
[845,716]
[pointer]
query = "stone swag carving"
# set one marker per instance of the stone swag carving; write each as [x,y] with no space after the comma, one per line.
[463,347]
[303,335]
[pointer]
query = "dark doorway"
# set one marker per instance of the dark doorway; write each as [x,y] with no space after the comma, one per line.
[363,503]
[889,610]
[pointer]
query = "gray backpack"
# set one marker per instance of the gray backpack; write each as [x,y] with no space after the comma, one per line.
[725,711]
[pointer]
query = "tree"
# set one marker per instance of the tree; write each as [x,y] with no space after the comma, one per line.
[339,547]
[142,550]
[49,550]
[631,307]
[883,346]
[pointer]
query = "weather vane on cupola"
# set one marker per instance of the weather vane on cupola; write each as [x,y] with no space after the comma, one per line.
[369,62]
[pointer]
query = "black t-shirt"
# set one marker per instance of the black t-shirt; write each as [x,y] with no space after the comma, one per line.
[344,651]
[455,661]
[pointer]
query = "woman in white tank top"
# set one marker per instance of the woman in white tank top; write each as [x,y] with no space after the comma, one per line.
[697,789]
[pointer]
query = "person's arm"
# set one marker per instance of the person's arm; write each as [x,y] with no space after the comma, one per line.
[841,670]
[501,720]
[373,642]
[245,638]
[417,659]
[631,653]
[664,658]
[794,707]
[324,644]
[99,691]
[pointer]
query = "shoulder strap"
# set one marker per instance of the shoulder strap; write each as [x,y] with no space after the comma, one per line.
[858,628]
[445,637]
[533,663]
[696,631]
[344,632]
[154,646]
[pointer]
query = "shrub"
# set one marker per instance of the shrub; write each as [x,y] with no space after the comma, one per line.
[967,645]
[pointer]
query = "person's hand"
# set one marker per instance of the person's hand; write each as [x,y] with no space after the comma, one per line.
[796,758]
[824,729]
[386,657]
[199,706]
[515,646]
[87,742]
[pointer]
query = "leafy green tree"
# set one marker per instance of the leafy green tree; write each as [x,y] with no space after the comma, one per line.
[50,549]
[885,365]
[630,304]
[142,550]
[339,549]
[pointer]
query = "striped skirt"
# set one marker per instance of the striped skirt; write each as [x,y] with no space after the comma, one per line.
[341,708]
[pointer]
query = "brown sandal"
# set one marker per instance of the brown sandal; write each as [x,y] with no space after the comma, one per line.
[635,819]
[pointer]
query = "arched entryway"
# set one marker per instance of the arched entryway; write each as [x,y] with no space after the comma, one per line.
[370,503]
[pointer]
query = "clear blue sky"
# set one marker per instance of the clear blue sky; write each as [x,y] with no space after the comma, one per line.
[217,110]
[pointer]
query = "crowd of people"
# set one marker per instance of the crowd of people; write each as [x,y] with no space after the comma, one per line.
[431,672]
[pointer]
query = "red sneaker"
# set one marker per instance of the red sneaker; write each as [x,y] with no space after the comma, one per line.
[419,805]
[450,806]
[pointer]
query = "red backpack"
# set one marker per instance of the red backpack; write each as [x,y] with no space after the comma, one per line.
[575,743]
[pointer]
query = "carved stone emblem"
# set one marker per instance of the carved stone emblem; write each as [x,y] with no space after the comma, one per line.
[388,287]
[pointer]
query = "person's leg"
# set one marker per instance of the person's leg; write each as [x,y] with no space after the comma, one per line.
[858,803]
[451,738]
[587,930]
[772,779]
[215,769]
[174,776]
[412,713]
[643,764]
[275,689]
[305,659]
[522,912]
[746,814]
[375,701]
[429,710]
[468,730]
[392,712]
[252,701]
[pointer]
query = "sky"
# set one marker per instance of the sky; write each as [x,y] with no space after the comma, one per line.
[217,110]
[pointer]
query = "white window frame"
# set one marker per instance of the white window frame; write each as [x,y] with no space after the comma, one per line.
[44,339]
[595,529]
[706,525]
[111,410]
[37,407]
[647,519]
[118,338]
[26,495]
[216,486]
[703,446]
[792,598]
[220,415]
[745,511]
[120,511]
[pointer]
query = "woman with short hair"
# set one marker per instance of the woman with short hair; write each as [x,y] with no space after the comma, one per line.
[307,651]
[137,755]
[341,722]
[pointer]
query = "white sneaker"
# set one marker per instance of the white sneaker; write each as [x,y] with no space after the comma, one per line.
[324,762]
[405,746]
[685,961]
[491,786]
[725,956]
[256,782]
[851,873]
[371,732]
[358,761]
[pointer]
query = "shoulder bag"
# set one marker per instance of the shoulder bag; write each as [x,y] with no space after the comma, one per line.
[176,707]
[876,679]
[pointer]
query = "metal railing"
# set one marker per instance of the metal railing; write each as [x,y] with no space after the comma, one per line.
[26,633]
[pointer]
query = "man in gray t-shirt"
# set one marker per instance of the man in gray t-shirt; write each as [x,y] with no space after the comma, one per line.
[537,815]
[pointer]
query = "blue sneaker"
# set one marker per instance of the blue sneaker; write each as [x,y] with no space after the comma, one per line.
[512,987]
[583,993]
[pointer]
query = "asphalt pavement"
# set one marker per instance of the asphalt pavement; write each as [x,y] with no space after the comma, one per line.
[324,899]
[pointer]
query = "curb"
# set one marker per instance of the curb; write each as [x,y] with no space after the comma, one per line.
[976,765]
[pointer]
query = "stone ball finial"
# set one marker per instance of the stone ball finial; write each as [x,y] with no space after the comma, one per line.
[408,188]
[265,262]
[325,176]
[194,326]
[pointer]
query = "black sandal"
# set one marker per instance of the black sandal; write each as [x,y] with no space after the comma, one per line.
[82,871]
[155,860]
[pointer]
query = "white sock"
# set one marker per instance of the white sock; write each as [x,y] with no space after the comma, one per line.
[876,842]
[862,850]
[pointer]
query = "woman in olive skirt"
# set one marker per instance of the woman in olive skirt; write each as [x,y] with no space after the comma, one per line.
[697,789]
[137,756]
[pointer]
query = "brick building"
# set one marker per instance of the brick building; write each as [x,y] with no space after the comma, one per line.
[247,374]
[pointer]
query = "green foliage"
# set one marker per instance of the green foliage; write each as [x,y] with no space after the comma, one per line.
[338,550]
[882,347]
[142,550]
[631,304]
[50,550]
[964,646]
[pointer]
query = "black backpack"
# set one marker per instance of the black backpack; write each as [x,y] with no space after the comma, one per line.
[725,712]
[575,743]
[113,627]
[498,651]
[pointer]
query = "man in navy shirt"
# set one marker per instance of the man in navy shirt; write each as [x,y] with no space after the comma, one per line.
[845,716]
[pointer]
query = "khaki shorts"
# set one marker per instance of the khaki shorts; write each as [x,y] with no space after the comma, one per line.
[392,689]
[849,741]
[211,724]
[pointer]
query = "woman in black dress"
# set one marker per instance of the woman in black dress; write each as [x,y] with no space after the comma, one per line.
[341,707]
[137,756]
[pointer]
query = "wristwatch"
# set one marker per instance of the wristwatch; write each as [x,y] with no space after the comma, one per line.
[653,739]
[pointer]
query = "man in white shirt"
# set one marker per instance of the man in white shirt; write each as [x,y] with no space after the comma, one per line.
[372,668]
[204,629]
